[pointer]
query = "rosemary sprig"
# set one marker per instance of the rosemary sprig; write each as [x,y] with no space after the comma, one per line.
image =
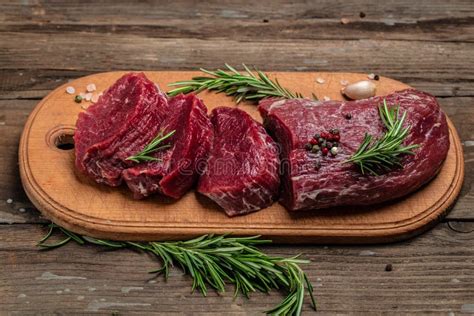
[152,147]
[243,86]
[383,154]
[216,261]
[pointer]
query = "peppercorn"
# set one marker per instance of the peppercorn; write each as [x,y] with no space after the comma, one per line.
[320,140]
[334,151]
[324,151]
[324,135]
[78,99]
[348,116]
[313,141]
[376,77]
[388,267]
[323,144]
[308,146]
[317,136]
[337,137]
[335,131]
[335,144]
[315,149]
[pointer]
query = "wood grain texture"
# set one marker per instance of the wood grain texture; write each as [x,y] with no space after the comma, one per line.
[431,273]
[59,192]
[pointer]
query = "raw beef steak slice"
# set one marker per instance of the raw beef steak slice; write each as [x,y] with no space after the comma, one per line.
[242,169]
[305,186]
[177,170]
[125,118]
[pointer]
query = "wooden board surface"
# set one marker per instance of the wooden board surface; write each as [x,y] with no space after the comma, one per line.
[75,202]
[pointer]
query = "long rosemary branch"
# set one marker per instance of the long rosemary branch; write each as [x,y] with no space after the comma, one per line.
[214,261]
[242,86]
[384,153]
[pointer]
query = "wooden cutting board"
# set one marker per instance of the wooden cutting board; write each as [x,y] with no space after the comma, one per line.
[79,204]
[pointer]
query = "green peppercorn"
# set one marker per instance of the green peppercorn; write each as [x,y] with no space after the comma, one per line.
[78,99]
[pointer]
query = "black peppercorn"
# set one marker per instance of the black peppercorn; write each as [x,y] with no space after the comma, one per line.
[388,267]
[308,146]
[348,116]
[376,77]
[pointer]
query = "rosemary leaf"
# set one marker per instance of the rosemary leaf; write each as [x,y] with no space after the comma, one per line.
[215,261]
[249,85]
[383,154]
[152,147]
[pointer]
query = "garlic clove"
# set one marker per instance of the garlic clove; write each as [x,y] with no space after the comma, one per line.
[359,90]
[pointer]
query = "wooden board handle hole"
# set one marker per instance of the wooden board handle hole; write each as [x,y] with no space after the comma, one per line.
[61,138]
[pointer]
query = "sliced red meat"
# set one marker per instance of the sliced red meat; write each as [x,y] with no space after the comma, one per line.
[125,118]
[242,169]
[306,186]
[177,170]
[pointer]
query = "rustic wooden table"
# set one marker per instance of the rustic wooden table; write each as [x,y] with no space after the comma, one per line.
[427,44]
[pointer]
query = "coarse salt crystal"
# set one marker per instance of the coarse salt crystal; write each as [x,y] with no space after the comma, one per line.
[345,21]
[320,80]
[70,90]
[91,87]
[344,82]
[326,98]
[88,96]
[371,76]
[95,98]
[9,201]
[22,210]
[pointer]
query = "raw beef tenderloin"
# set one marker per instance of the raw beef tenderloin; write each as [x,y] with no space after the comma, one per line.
[125,118]
[307,186]
[177,170]
[242,169]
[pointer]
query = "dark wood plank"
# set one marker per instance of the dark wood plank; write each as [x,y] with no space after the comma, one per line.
[442,70]
[432,273]
[277,20]
[118,12]
[435,30]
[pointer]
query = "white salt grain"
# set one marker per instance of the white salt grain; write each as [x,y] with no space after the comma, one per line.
[70,90]
[88,96]
[320,80]
[371,76]
[326,98]
[95,98]
[22,210]
[91,87]
[344,82]
[9,201]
